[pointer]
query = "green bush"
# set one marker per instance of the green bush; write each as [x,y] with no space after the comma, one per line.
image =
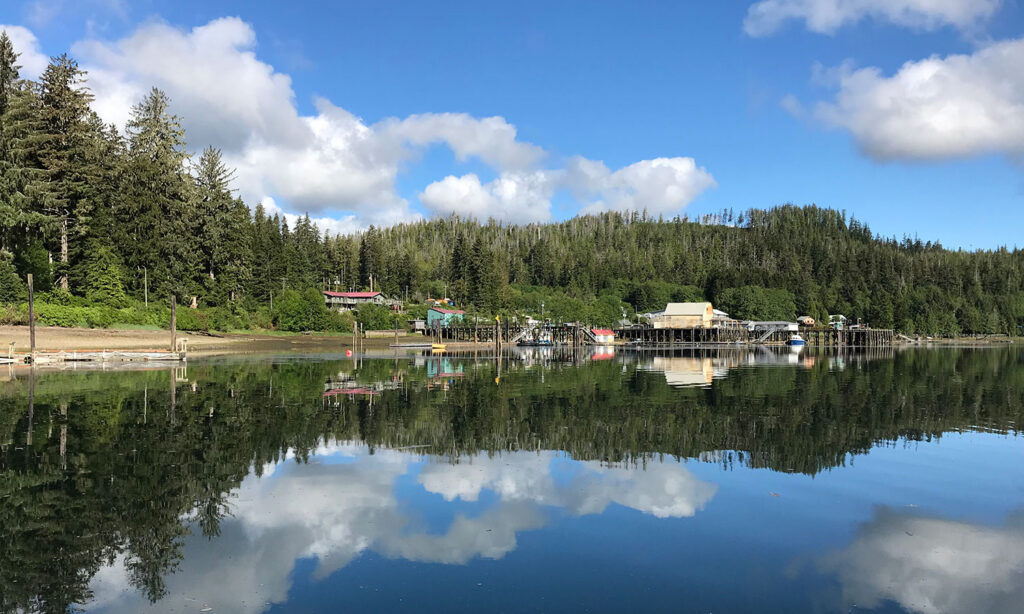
[375,317]
[191,319]
[14,315]
[299,312]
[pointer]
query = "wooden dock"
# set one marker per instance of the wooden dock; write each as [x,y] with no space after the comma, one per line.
[101,356]
[815,337]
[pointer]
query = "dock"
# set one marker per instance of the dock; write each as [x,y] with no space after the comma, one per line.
[97,356]
[815,337]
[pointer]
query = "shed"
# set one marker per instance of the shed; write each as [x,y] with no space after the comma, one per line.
[604,335]
[685,315]
[443,317]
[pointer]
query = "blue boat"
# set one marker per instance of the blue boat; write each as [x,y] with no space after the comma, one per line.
[796,340]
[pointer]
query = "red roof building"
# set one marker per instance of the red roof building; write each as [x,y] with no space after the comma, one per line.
[343,301]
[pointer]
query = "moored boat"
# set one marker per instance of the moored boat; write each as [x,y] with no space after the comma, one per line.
[795,340]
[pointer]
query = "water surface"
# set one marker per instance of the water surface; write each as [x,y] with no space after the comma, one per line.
[687,481]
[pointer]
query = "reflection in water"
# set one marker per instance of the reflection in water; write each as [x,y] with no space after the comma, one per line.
[933,565]
[132,487]
[350,501]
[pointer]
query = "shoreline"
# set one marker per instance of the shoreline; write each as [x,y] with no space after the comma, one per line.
[57,339]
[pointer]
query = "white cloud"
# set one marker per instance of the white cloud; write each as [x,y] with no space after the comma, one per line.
[661,185]
[827,16]
[492,139]
[334,164]
[932,566]
[512,197]
[33,61]
[960,105]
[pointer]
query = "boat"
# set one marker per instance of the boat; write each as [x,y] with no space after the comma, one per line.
[437,347]
[795,340]
[537,343]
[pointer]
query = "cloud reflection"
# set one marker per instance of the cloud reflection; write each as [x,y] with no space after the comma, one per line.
[347,502]
[932,565]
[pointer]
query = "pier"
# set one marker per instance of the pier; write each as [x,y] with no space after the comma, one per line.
[815,337]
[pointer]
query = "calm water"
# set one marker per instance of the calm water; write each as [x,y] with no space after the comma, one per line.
[685,482]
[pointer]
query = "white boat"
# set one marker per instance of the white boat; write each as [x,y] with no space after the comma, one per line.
[796,340]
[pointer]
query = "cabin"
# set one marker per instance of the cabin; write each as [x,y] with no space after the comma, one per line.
[442,317]
[603,335]
[685,315]
[351,301]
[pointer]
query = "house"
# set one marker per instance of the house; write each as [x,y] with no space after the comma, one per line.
[685,315]
[347,301]
[442,317]
[603,335]
[763,327]
[805,321]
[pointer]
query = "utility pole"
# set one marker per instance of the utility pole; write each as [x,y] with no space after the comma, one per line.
[145,284]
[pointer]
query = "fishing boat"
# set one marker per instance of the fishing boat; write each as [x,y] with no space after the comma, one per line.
[795,340]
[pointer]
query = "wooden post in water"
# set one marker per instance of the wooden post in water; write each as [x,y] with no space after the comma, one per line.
[174,322]
[31,321]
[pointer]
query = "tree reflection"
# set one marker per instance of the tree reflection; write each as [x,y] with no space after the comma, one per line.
[98,466]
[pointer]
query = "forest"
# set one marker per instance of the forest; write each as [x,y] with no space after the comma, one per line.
[110,223]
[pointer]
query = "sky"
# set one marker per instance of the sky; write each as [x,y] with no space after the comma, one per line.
[908,114]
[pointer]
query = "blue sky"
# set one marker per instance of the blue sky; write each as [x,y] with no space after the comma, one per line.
[908,114]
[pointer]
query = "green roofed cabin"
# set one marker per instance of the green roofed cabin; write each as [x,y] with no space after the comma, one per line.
[443,317]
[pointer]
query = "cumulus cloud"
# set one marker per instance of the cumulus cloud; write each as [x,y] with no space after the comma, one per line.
[332,163]
[827,16]
[661,185]
[33,61]
[933,565]
[960,105]
[511,197]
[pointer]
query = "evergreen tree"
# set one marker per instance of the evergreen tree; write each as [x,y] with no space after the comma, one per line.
[63,194]
[157,209]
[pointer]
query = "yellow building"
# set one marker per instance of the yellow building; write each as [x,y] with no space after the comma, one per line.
[685,315]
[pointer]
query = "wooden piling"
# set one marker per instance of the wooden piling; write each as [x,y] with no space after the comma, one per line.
[31,321]
[174,321]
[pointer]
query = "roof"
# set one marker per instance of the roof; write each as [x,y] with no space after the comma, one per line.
[458,312]
[351,294]
[602,331]
[687,309]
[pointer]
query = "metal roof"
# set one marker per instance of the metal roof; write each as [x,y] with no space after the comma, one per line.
[687,309]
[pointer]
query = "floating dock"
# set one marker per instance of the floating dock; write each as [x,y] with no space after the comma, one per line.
[96,356]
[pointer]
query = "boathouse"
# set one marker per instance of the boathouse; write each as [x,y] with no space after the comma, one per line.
[443,317]
[603,335]
[685,315]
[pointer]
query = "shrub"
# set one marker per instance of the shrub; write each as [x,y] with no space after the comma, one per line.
[13,315]
[375,317]
[191,319]
[298,312]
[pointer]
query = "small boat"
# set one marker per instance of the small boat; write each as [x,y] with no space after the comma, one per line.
[540,343]
[795,340]
[437,347]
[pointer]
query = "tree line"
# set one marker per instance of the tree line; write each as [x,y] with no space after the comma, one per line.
[104,217]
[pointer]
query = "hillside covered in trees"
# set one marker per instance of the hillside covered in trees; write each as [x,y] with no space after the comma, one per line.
[105,218]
